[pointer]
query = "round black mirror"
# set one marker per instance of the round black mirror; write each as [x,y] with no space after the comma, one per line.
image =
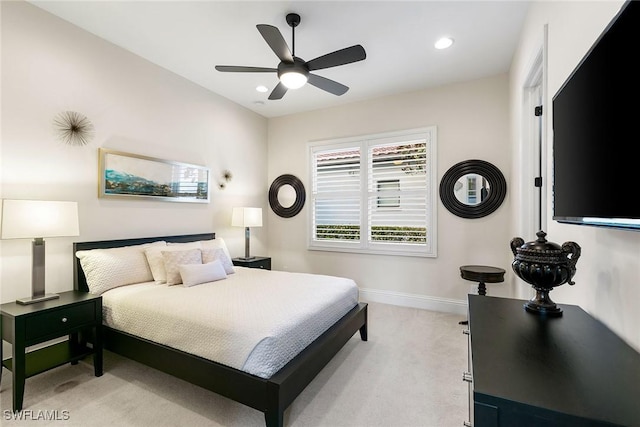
[286,196]
[473,189]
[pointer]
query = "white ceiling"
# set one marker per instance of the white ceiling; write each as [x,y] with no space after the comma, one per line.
[191,37]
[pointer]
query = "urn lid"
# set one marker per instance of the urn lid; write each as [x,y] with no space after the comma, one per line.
[541,244]
[539,250]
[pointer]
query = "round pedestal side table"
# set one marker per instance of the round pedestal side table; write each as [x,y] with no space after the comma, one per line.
[481,274]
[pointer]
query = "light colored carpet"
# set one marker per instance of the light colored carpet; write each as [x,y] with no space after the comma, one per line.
[409,374]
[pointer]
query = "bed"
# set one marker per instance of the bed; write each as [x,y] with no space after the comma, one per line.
[269,389]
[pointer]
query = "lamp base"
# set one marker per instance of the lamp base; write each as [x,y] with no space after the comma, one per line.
[33,300]
[246,258]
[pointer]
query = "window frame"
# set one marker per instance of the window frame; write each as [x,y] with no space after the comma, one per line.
[363,245]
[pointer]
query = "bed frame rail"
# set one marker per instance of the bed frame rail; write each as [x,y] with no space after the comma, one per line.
[232,383]
[292,379]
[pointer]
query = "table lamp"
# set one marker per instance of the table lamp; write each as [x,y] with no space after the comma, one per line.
[37,219]
[246,217]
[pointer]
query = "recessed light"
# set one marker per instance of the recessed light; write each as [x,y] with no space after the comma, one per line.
[443,43]
[261,88]
[258,102]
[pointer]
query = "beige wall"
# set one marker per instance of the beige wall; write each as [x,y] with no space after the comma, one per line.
[49,66]
[472,123]
[609,268]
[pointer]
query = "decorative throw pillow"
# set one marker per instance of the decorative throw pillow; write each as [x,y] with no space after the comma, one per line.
[216,243]
[110,268]
[156,262]
[174,259]
[210,255]
[195,274]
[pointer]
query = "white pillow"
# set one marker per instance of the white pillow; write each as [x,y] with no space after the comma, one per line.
[156,262]
[210,255]
[195,274]
[109,268]
[216,243]
[174,259]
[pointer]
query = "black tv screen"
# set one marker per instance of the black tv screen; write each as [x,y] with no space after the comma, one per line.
[596,131]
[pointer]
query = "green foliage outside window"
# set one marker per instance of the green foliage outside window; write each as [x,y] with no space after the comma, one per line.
[393,234]
[338,232]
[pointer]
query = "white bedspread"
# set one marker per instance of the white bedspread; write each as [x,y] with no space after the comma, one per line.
[255,320]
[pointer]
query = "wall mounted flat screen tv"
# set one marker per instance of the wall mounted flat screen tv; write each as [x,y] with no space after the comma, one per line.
[596,131]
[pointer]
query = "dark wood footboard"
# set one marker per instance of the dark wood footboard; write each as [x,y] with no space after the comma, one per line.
[286,384]
[271,396]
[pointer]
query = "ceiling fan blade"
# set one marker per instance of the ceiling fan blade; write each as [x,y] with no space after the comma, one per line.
[274,39]
[339,57]
[239,69]
[329,85]
[278,91]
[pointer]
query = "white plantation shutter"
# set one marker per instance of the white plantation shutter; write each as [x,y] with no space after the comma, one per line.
[375,194]
[397,214]
[336,195]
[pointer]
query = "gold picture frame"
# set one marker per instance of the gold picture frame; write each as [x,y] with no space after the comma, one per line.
[127,175]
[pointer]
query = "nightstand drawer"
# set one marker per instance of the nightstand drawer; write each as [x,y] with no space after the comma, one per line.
[263,263]
[59,321]
[255,262]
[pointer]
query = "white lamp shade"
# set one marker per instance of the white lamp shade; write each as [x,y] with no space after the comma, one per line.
[246,217]
[24,219]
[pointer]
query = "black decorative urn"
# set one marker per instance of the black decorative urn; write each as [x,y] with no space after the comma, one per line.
[544,265]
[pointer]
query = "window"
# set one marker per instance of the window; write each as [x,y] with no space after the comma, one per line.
[388,201]
[375,194]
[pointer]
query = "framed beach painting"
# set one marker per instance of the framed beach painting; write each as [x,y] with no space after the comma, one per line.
[126,175]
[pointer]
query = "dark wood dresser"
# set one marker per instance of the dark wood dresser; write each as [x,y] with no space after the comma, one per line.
[528,370]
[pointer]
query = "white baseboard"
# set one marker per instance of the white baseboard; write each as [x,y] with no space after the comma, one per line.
[445,305]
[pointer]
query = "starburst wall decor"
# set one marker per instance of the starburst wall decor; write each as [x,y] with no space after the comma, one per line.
[226,177]
[73,128]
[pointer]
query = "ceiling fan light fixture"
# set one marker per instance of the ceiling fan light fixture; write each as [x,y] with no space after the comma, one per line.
[293,79]
[293,75]
[293,72]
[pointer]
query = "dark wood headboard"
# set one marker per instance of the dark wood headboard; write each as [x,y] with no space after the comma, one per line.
[79,279]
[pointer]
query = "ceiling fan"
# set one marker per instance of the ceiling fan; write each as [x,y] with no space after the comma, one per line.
[294,72]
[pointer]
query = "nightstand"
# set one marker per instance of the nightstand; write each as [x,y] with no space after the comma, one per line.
[255,262]
[73,314]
